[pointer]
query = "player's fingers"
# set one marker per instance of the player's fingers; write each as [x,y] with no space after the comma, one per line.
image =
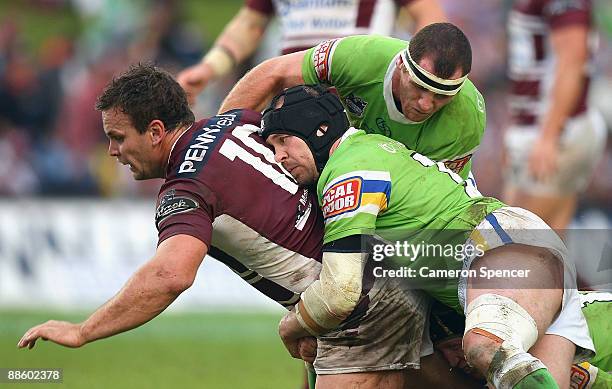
[293,349]
[26,336]
[308,346]
[28,339]
[31,344]
[307,356]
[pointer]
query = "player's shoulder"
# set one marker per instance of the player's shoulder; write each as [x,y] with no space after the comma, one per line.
[352,59]
[374,40]
[360,156]
[352,196]
[194,149]
[370,50]
[466,112]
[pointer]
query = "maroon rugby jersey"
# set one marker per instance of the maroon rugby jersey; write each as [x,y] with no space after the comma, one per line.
[306,23]
[531,58]
[224,187]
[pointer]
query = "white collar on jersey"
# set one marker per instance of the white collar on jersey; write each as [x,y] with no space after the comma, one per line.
[394,113]
[347,133]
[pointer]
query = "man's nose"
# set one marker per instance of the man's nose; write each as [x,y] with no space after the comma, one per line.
[113,150]
[426,101]
[280,156]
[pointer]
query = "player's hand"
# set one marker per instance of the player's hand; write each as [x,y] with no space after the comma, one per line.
[194,79]
[452,349]
[543,158]
[290,332]
[60,332]
[307,347]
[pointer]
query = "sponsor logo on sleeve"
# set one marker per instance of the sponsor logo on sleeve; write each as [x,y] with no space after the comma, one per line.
[170,204]
[322,58]
[458,164]
[344,196]
[355,104]
[581,376]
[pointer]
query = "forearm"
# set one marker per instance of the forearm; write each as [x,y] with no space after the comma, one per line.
[145,295]
[332,298]
[257,87]
[240,38]
[570,47]
[567,89]
[243,34]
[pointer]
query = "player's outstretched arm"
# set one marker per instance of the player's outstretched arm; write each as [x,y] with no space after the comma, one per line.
[145,295]
[266,80]
[240,38]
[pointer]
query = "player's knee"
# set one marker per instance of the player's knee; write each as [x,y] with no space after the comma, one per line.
[501,319]
[498,333]
[479,350]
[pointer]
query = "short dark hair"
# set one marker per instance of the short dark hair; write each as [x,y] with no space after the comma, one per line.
[145,93]
[447,46]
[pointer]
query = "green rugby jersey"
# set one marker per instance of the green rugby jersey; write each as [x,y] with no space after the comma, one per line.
[360,68]
[375,185]
[597,309]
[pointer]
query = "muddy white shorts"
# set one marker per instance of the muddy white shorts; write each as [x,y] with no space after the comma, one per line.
[582,145]
[384,332]
[509,225]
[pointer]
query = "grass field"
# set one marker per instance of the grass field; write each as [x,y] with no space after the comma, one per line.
[210,350]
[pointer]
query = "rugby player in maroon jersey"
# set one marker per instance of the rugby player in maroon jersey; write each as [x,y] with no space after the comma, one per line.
[225,195]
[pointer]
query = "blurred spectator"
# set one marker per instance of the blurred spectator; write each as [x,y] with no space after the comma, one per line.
[51,140]
[555,139]
[50,131]
[303,25]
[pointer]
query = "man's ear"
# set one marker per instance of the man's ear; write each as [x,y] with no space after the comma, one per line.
[156,131]
[399,65]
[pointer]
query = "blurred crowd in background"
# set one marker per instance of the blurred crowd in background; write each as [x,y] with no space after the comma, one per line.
[57,55]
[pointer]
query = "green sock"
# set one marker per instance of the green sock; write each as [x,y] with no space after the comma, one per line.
[312,378]
[540,378]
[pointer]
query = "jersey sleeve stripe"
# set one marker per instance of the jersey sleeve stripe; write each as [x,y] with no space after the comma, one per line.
[322,59]
[378,186]
[371,209]
[377,199]
[366,175]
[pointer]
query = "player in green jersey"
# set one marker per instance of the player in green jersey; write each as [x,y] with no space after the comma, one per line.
[415,92]
[597,373]
[369,183]
[447,328]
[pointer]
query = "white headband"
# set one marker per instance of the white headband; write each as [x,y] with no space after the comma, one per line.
[431,81]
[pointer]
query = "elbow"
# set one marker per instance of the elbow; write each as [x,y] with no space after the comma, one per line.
[272,69]
[284,71]
[178,286]
[174,282]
